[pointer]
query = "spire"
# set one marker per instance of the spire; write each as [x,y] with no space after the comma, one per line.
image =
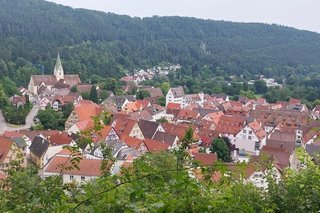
[58,69]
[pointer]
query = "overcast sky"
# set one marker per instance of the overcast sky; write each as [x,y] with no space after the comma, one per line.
[302,14]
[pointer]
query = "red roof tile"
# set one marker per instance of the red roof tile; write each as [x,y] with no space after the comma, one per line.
[87,109]
[61,138]
[205,159]
[5,146]
[87,167]
[155,146]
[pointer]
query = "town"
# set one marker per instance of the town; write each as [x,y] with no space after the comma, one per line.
[131,126]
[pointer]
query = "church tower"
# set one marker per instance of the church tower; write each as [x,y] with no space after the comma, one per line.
[58,69]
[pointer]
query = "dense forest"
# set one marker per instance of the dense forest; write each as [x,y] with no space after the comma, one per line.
[106,44]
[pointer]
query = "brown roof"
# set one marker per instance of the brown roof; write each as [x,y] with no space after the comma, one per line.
[72,80]
[155,146]
[87,109]
[271,117]
[205,159]
[230,124]
[133,142]
[154,92]
[148,128]
[47,79]
[279,154]
[5,146]
[258,130]
[87,167]
[187,114]
[173,106]
[84,88]
[178,91]
[164,137]
[61,138]
[124,126]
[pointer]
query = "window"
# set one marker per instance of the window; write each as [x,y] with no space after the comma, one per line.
[250,132]
[244,131]
[244,136]
[249,137]
[83,178]
[257,145]
[71,177]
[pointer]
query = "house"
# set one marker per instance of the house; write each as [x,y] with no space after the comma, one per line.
[136,144]
[43,148]
[84,110]
[81,126]
[118,102]
[214,117]
[270,118]
[59,101]
[204,159]
[11,151]
[229,126]
[222,96]
[18,101]
[171,140]
[44,102]
[88,169]
[187,115]
[48,81]
[155,92]
[127,127]
[251,138]
[96,152]
[176,95]
[316,112]
[155,146]
[149,128]
[143,114]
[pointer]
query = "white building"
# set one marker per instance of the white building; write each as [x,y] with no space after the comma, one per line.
[176,95]
[251,138]
[88,169]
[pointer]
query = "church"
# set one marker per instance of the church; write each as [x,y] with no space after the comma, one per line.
[48,82]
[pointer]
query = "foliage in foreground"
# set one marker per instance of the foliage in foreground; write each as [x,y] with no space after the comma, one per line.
[154,184]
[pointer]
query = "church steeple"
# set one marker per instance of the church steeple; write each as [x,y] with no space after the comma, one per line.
[58,69]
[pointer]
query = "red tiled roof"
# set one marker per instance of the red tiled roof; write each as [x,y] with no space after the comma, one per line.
[187,114]
[230,124]
[133,142]
[85,124]
[155,146]
[5,146]
[87,167]
[279,154]
[87,109]
[12,134]
[124,126]
[144,103]
[258,130]
[173,106]
[205,159]
[61,138]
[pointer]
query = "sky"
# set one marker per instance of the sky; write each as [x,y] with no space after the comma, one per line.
[301,14]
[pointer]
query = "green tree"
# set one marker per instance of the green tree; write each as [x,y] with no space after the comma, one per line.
[51,119]
[260,87]
[142,94]
[219,147]
[93,94]
[74,88]
[161,101]
[162,120]
[165,86]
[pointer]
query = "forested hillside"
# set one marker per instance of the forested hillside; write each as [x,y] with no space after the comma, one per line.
[91,42]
